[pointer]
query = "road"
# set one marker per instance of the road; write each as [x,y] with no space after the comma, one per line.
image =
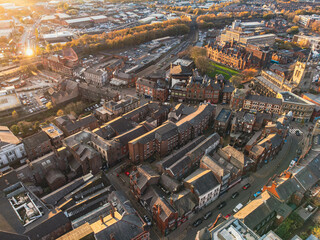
[257,181]
[167,59]
[27,40]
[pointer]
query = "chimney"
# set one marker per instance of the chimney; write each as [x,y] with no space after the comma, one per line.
[192,189]
[112,236]
[112,212]
[171,201]
[101,219]
[159,210]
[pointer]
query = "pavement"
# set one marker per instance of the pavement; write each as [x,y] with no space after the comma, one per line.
[257,180]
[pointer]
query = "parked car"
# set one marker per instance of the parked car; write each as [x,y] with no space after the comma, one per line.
[147,220]
[221,205]
[207,215]
[227,216]
[238,207]
[245,187]
[234,195]
[257,194]
[197,222]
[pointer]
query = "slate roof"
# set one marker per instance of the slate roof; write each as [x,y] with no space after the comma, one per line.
[184,202]
[202,181]
[287,188]
[259,98]
[171,159]
[35,140]
[169,183]
[55,219]
[147,82]
[257,210]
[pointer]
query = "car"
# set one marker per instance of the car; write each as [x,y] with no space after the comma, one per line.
[227,216]
[298,133]
[207,215]
[245,187]
[234,195]
[238,207]
[147,220]
[221,205]
[257,194]
[127,173]
[197,222]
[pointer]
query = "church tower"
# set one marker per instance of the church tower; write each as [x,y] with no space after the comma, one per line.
[303,74]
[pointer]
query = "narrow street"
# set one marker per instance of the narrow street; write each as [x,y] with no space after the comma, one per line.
[257,181]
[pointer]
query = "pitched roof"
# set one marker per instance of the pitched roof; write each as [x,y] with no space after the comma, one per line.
[35,140]
[202,181]
[257,210]
[6,136]
[259,98]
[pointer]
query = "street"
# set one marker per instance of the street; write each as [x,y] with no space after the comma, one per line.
[257,180]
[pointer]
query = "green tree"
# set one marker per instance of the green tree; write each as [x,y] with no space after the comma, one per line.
[15,129]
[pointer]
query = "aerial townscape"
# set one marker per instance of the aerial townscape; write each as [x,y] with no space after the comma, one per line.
[164,119]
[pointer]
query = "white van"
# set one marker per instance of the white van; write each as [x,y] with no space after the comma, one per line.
[238,207]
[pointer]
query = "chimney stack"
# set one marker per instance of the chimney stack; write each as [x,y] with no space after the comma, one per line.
[159,210]
[112,212]
[171,201]
[101,219]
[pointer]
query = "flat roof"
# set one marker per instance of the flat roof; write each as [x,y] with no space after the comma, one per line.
[52,130]
[292,98]
[9,101]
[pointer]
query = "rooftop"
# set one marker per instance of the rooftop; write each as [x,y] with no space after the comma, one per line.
[52,130]
[289,97]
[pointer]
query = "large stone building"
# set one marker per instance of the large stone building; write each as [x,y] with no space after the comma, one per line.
[96,77]
[300,108]
[239,57]
[269,83]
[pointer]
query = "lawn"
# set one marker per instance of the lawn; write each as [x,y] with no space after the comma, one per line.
[216,69]
[224,68]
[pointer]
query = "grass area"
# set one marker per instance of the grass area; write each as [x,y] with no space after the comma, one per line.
[215,72]
[216,69]
[224,68]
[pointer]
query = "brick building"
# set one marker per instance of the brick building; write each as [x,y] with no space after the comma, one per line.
[37,145]
[152,89]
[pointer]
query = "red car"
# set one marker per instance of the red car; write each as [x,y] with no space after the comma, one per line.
[227,216]
[127,173]
[245,187]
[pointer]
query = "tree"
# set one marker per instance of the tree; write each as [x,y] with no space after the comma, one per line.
[49,105]
[236,80]
[60,113]
[15,114]
[202,63]
[196,52]
[15,129]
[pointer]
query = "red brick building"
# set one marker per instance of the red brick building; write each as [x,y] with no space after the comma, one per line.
[151,89]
